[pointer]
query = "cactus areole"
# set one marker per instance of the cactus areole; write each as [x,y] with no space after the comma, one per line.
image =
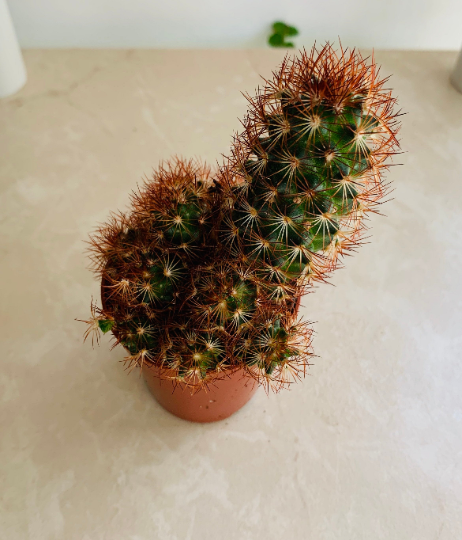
[201,277]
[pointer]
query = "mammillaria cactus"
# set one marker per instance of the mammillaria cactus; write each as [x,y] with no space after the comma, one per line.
[204,274]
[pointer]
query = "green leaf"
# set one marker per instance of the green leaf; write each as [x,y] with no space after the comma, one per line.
[291,31]
[276,40]
[284,29]
[105,325]
[279,27]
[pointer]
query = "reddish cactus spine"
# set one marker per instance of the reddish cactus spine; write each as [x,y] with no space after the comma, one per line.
[204,272]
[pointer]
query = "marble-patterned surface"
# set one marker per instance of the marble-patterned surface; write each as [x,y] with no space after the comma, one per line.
[369,446]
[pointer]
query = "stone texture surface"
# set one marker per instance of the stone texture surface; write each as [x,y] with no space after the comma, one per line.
[368,446]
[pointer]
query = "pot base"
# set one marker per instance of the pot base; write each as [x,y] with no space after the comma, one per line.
[221,399]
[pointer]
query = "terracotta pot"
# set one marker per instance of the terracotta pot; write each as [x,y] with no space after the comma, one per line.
[223,397]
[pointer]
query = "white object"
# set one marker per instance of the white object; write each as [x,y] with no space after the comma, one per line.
[456,77]
[12,70]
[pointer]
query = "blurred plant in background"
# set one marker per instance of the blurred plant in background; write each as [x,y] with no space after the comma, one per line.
[280,32]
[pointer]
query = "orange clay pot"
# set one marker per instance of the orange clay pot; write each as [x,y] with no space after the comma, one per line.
[222,397]
[225,394]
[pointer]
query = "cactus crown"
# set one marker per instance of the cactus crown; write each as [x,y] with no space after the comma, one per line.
[204,273]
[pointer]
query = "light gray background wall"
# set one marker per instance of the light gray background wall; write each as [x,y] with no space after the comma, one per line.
[391,24]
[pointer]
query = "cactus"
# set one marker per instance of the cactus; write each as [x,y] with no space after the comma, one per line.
[203,274]
[307,167]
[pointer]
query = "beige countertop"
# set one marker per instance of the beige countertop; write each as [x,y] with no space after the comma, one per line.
[368,446]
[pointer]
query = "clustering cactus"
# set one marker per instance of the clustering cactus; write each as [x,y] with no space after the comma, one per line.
[204,274]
